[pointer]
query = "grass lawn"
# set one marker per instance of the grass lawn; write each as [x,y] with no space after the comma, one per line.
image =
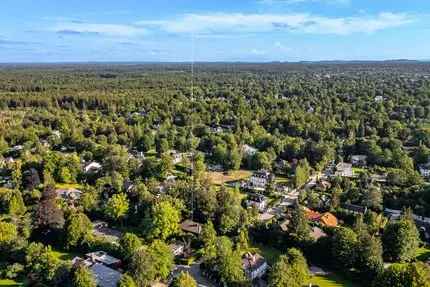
[331,280]
[281,179]
[65,256]
[68,186]
[219,178]
[269,253]
[423,254]
[358,170]
[10,283]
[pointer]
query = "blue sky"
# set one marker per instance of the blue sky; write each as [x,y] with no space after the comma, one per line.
[222,30]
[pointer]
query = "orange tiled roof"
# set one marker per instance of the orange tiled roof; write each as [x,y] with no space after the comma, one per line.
[329,219]
[312,215]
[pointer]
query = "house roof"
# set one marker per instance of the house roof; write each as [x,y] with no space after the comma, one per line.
[252,262]
[105,276]
[359,157]
[354,208]
[102,257]
[316,233]
[329,219]
[342,166]
[284,225]
[191,226]
[312,215]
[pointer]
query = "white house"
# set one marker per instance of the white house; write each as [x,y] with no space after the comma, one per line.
[359,160]
[254,265]
[424,170]
[248,150]
[92,167]
[260,179]
[258,201]
[344,169]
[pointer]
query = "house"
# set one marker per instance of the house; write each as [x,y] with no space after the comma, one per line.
[353,208]
[105,276]
[281,165]
[70,194]
[323,184]
[359,160]
[392,214]
[312,215]
[328,219]
[257,201]
[176,156]
[177,249]
[260,179]
[325,219]
[92,167]
[103,267]
[379,99]
[248,150]
[103,258]
[317,233]
[254,265]
[344,169]
[101,229]
[284,225]
[424,170]
[190,226]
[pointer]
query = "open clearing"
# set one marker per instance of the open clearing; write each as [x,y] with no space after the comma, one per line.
[220,178]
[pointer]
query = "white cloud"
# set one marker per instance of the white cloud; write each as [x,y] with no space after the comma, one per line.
[228,23]
[116,30]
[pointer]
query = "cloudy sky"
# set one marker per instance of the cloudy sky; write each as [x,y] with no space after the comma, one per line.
[219,30]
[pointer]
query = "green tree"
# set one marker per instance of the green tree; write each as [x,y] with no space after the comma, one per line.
[303,171]
[152,263]
[82,277]
[78,229]
[229,262]
[8,235]
[16,204]
[369,256]
[209,238]
[404,275]
[129,243]
[127,281]
[41,262]
[184,279]
[344,245]
[290,270]
[299,229]
[165,220]
[117,206]
[401,239]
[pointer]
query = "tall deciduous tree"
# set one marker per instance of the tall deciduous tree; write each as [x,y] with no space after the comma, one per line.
[165,220]
[401,239]
[82,277]
[151,263]
[290,270]
[184,279]
[117,206]
[78,229]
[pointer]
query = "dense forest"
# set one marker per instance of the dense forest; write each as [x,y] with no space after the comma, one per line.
[141,144]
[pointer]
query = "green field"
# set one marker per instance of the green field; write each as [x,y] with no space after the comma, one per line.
[423,254]
[10,283]
[331,280]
